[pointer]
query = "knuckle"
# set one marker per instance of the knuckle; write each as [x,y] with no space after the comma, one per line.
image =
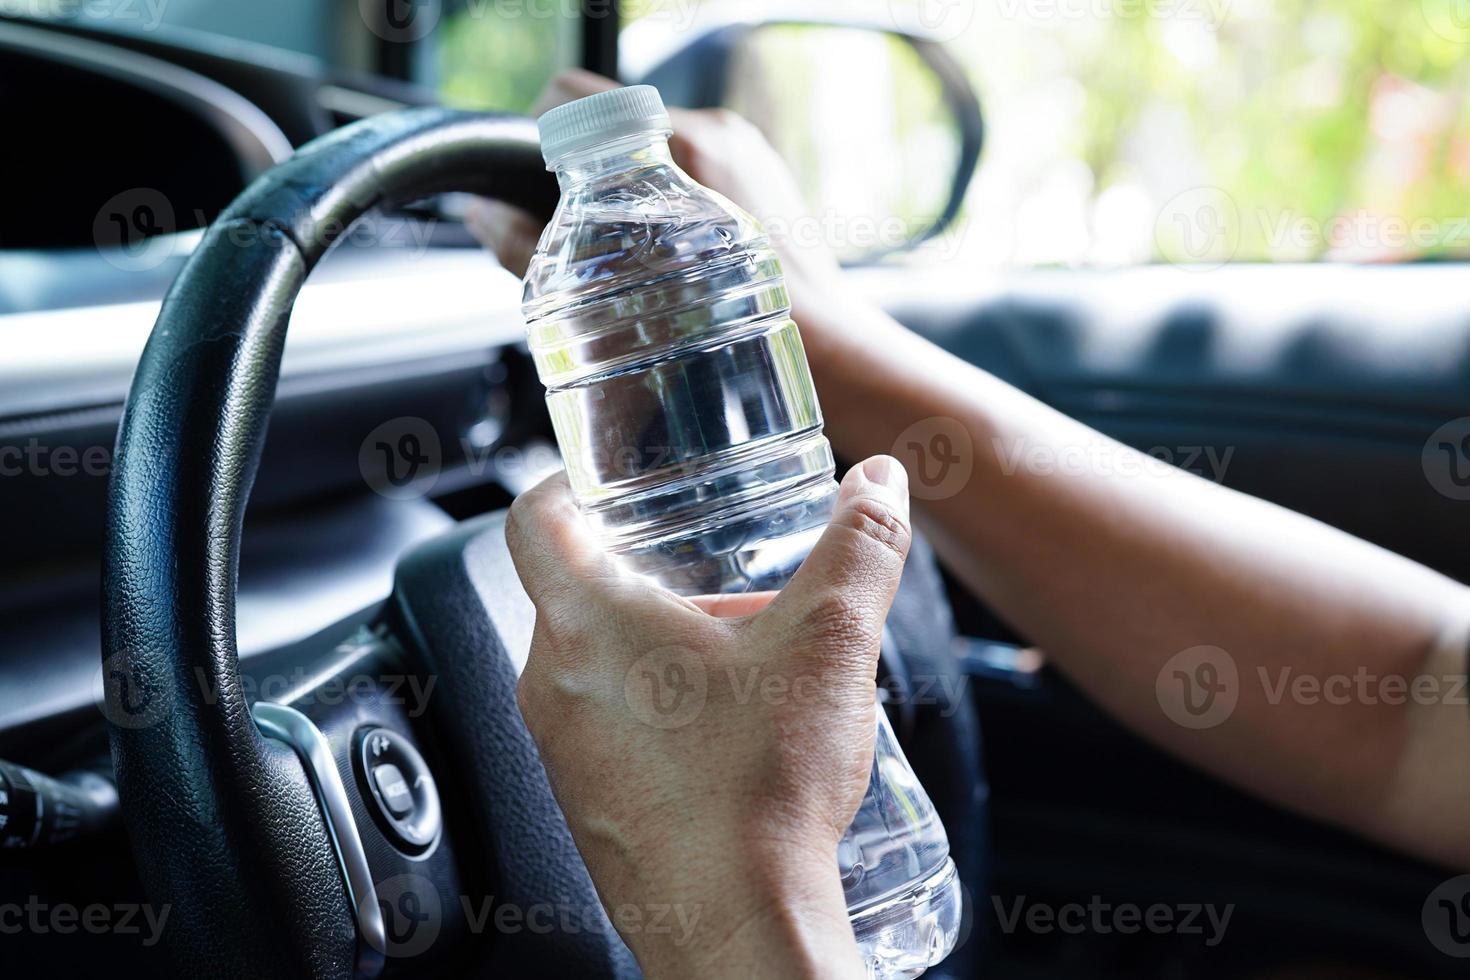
[553,694]
[726,118]
[528,701]
[837,618]
[518,521]
[880,523]
[563,634]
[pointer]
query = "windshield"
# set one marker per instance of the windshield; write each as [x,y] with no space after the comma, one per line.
[1121,132]
[1118,132]
[309,28]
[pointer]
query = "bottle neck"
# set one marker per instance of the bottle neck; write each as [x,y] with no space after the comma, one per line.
[629,153]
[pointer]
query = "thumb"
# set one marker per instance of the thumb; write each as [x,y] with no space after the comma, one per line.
[841,594]
[552,547]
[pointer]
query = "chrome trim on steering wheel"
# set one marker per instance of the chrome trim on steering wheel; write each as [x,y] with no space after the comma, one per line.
[298,731]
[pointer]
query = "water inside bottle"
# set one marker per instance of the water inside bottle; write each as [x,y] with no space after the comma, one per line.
[681,396]
[684,409]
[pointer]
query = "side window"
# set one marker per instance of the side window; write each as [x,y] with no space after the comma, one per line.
[1125,132]
[857,113]
[1211,131]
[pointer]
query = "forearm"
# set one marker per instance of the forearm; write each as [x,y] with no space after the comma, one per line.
[1114,563]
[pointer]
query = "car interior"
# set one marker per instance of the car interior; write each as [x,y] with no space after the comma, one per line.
[244,325]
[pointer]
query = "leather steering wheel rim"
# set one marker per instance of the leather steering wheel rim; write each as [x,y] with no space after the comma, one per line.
[223,822]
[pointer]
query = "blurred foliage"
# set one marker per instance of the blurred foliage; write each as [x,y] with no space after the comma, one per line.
[1315,119]
[792,81]
[1315,130]
[499,54]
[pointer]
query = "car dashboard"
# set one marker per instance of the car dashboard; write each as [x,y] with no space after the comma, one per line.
[405,325]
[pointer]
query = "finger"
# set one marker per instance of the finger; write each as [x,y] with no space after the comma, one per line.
[840,596]
[735,605]
[508,232]
[569,85]
[552,546]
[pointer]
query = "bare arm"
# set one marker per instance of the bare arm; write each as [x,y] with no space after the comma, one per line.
[1349,661]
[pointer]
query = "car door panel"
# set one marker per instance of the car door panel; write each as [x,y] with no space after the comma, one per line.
[1318,387]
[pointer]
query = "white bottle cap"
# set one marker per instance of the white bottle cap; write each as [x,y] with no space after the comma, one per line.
[601,118]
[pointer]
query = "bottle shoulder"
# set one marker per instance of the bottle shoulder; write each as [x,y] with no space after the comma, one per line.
[635,227]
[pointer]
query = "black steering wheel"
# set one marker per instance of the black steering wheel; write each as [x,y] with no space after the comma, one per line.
[310,836]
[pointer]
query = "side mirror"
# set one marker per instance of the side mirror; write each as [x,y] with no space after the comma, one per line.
[878,122]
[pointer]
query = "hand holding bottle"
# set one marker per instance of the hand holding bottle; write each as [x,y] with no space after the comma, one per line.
[724,152]
[709,753]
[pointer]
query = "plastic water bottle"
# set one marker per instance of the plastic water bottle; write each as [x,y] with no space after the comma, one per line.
[679,391]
